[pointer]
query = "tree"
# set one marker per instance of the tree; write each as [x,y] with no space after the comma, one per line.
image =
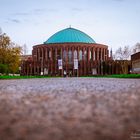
[3,68]
[123,53]
[136,48]
[9,55]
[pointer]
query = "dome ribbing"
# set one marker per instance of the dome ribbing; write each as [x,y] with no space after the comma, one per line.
[69,35]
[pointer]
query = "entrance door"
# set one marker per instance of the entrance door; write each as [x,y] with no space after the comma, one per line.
[70,73]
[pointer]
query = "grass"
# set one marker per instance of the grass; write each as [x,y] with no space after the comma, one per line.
[126,76]
[97,76]
[118,76]
[24,77]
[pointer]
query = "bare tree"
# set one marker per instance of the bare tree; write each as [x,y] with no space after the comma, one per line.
[123,53]
[136,48]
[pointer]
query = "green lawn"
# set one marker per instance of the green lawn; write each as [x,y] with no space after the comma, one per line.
[99,76]
[23,77]
[127,76]
[118,76]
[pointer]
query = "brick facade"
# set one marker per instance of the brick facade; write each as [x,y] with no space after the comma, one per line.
[45,59]
[92,59]
[135,58]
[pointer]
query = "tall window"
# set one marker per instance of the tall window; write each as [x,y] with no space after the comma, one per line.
[80,55]
[75,54]
[90,55]
[59,54]
[70,55]
[50,54]
[94,55]
[85,55]
[53,54]
[40,52]
[64,55]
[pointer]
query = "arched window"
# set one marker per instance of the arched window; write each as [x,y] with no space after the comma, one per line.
[75,54]
[80,55]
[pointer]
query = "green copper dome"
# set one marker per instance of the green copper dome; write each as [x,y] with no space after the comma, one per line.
[69,35]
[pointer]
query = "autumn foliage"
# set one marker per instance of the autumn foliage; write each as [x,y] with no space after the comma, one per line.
[9,55]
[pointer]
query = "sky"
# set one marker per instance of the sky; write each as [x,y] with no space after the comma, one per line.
[115,23]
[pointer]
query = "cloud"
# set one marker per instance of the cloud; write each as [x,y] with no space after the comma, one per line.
[29,13]
[21,14]
[77,9]
[43,10]
[39,10]
[13,20]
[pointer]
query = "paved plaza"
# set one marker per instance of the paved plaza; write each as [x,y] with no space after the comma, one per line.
[69,109]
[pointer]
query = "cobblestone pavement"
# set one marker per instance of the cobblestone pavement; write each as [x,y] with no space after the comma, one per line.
[69,109]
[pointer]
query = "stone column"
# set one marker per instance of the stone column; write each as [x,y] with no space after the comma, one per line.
[62,60]
[72,60]
[72,53]
[97,53]
[31,68]
[93,54]
[105,54]
[101,54]
[78,60]
[56,60]
[46,54]
[51,62]
[88,61]
[83,60]
[34,68]
[37,54]
[78,53]
[61,53]
[66,59]
[88,54]
[42,61]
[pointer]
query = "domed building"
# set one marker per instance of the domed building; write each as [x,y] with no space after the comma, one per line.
[68,52]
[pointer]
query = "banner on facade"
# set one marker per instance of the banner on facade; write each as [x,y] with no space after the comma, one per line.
[59,64]
[75,63]
[41,73]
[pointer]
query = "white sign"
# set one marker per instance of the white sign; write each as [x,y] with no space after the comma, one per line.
[59,64]
[75,63]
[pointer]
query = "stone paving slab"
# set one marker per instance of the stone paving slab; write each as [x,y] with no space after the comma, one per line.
[69,109]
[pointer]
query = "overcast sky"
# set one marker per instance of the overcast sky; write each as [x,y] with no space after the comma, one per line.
[112,22]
